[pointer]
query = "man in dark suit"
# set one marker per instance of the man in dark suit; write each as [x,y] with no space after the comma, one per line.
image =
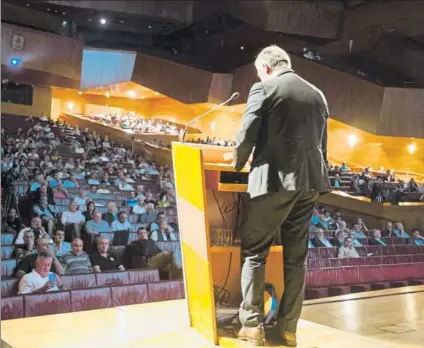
[285,120]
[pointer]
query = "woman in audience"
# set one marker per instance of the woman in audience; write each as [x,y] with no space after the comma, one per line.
[60,192]
[164,201]
[89,210]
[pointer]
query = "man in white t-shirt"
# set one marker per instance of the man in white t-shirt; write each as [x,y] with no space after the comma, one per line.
[41,279]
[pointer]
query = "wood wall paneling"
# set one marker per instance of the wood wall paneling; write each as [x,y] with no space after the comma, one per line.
[53,54]
[42,101]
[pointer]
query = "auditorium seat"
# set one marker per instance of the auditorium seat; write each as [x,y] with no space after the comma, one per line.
[418,257]
[338,290]
[140,276]
[79,281]
[112,278]
[7,238]
[380,286]
[389,260]
[165,290]
[416,282]
[88,299]
[404,259]
[398,283]
[314,293]
[360,261]
[8,267]
[129,294]
[9,287]
[117,250]
[12,307]
[6,251]
[47,303]
[360,288]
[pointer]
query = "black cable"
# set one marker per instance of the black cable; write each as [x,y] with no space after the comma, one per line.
[219,208]
[226,278]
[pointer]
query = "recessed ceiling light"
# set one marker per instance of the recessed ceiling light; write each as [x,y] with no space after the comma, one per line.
[232,109]
[150,27]
[55,11]
[89,19]
[79,92]
[63,13]
[48,10]
[242,48]
[156,93]
[103,21]
[121,22]
[131,94]
[64,23]
[107,94]
[27,5]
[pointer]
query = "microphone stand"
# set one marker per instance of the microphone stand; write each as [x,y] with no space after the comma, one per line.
[233,97]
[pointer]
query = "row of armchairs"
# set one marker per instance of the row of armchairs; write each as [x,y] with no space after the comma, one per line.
[376,250]
[31,305]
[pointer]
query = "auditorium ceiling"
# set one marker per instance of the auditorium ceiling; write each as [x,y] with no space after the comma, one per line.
[219,36]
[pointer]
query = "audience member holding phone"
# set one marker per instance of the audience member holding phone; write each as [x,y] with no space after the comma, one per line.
[41,279]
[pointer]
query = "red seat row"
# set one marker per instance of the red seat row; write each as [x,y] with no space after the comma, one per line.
[409,249]
[9,287]
[32,305]
[326,277]
[363,261]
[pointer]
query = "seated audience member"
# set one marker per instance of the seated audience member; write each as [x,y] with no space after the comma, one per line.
[355,241]
[344,168]
[103,261]
[90,209]
[122,223]
[361,225]
[339,238]
[146,248]
[39,280]
[124,185]
[140,207]
[376,239]
[161,217]
[347,250]
[43,190]
[388,231]
[112,213]
[60,247]
[12,222]
[164,233]
[319,241]
[70,182]
[36,227]
[150,215]
[416,238]
[164,201]
[27,248]
[97,225]
[76,260]
[60,192]
[81,199]
[46,213]
[358,233]
[27,264]
[140,192]
[400,231]
[72,220]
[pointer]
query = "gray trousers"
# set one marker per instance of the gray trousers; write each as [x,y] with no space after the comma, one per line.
[289,213]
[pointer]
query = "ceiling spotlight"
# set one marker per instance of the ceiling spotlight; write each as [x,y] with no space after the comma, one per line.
[156,93]
[79,92]
[150,27]
[70,106]
[27,5]
[103,21]
[89,19]
[242,48]
[64,23]
[48,10]
[55,11]
[15,61]
[107,94]
[121,22]
[352,140]
[232,109]
[131,94]
[63,13]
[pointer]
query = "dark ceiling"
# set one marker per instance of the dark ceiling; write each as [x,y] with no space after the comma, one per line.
[217,40]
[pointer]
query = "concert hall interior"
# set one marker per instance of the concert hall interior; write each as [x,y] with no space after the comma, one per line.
[122,213]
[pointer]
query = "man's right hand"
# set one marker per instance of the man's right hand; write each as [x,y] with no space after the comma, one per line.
[47,286]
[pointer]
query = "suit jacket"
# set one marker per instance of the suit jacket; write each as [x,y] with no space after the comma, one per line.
[285,120]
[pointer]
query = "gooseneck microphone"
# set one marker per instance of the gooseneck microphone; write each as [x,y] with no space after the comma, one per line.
[234,96]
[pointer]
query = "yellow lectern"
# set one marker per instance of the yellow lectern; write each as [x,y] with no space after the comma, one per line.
[196,170]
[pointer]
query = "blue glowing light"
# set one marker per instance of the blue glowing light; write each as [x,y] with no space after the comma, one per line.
[15,61]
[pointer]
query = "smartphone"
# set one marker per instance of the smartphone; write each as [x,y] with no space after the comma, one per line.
[52,278]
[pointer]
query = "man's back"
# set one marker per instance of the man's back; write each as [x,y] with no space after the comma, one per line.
[291,146]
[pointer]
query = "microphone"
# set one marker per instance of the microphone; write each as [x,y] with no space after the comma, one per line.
[234,96]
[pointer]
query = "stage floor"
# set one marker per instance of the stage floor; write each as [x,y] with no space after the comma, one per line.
[396,313]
